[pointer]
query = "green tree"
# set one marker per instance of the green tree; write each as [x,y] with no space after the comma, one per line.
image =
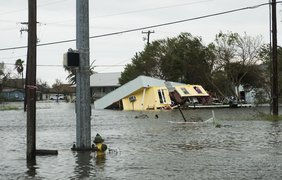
[183,59]
[220,66]
[265,55]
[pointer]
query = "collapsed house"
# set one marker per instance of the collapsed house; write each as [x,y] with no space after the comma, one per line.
[147,93]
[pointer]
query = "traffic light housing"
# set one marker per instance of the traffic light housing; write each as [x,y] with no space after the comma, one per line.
[71,59]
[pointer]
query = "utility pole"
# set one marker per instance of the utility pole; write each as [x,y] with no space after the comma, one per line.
[25,29]
[25,91]
[148,35]
[274,61]
[83,106]
[31,82]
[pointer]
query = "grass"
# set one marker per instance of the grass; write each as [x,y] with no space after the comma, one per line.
[6,108]
[268,117]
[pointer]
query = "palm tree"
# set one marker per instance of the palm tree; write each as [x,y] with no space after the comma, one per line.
[72,72]
[19,67]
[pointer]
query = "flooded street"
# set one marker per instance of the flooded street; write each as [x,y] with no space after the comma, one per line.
[244,147]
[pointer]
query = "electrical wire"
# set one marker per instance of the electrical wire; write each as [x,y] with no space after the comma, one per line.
[25,9]
[146,27]
[153,9]
[55,65]
[132,12]
[14,57]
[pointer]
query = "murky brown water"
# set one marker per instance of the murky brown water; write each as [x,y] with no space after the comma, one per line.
[145,148]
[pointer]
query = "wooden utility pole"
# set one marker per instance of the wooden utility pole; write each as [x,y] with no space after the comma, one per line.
[83,104]
[31,82]
[148,35]
[274,61]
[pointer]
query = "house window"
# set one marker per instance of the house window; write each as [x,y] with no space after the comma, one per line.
[161,96]
[198,90]
[184,90]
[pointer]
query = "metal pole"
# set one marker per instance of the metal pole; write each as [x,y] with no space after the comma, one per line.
[182,113]
[270,53]
[31,80]
[83,109]
[274,61]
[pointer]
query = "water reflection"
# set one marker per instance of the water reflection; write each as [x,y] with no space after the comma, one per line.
[100,161]
[31,168]
[275,131]
[85,165]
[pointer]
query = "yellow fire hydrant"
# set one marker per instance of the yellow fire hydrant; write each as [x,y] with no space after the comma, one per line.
[100,147]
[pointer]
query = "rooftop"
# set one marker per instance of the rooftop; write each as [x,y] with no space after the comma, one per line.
[105,79]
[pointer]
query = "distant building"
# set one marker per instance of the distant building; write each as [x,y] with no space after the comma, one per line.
[147,93]
[103,83]
[12,90]
[12,94]
[63,92]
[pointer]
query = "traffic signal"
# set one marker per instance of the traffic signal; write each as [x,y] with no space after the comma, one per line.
[71,59]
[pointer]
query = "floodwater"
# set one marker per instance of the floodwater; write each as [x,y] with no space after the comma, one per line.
[244,147]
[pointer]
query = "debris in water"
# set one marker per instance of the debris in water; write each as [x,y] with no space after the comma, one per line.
[142,116]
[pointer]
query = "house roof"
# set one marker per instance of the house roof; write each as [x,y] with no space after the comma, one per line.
[105,79]
[129,88]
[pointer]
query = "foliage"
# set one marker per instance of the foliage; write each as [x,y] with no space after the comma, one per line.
[265,55]
[4,75]
[183,59]
[5,108]
[238,57]
[221,66]
[72,73]
[42,85]
[268,117]
[57,85]
[19,66]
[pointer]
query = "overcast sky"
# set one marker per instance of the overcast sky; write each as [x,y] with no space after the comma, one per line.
[57,22]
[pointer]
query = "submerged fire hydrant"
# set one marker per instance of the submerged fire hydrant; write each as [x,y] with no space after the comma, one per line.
[100,148]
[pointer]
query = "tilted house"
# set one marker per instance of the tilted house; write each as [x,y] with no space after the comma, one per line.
[147,98]
[146,93]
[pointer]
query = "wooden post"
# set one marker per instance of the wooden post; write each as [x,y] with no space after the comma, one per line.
[274,61]
[31,82]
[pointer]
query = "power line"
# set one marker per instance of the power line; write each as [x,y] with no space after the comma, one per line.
[153,9]
[25,9]
[14,57]
[55,65]
[146,27]
[134,11]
